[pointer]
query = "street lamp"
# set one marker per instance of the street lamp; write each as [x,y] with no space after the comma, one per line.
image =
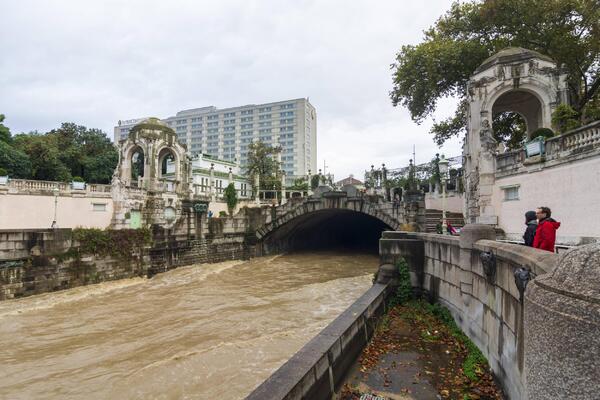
[443,166]
[55,191]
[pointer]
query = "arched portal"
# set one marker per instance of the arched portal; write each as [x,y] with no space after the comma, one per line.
[525,104]
[329,229]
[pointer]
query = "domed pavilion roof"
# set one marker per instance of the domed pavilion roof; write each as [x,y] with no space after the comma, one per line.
[510,55]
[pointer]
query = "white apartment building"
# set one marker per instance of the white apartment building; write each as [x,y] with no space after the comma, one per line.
[226,133]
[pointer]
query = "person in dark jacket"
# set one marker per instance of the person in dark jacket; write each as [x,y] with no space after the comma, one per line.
[545,234]
[531,222]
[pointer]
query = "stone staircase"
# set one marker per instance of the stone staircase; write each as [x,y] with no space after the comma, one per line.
[433,217]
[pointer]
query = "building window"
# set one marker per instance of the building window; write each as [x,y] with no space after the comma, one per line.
[229,115]
[511,193]
[229,122]
[246,126]
[211,117]
[266,123]
[264,109]
[287,106]
[286,114]
[213,130]
[247,112]
[196,119]
[181,121]
[265,116]
[246,119]
[99,206]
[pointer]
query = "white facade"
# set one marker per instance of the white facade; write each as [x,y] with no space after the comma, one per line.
[226,133]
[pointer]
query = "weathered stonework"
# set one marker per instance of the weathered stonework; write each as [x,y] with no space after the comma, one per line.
[562,321]
[514,79]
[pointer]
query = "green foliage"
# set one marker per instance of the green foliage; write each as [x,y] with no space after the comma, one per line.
[3,172]
[565,118]
[314,182]
[404,291]
[510,128]
[71,150]
[120,243]
[222,214]
[460,40]
[299,184]
[262,160]
[231,198]
[78,179]
[5,135]
[543,132]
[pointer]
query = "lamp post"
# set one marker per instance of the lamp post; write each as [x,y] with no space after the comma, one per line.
[443,166]
[55,191]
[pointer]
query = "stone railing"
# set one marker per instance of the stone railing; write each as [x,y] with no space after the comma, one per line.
[27,186]
[574,142]
[580,142]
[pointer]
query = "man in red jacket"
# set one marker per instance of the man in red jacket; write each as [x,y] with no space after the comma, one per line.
[545,234]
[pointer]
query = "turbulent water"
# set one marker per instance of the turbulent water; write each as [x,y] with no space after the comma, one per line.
[200,332]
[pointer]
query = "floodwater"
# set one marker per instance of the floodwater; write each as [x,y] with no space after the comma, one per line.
[210,331]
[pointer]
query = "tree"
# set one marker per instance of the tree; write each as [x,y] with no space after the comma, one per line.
[510,128]
[231,198]
[15,162]
[566,30]
[5,135]
[71,150]
[262,160]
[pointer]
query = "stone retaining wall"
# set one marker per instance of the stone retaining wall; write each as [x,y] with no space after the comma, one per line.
[39,261]
[316,371]
[489,309]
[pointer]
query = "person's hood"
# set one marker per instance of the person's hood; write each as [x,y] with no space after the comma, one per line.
[530,216]
[531,222]
[555,224]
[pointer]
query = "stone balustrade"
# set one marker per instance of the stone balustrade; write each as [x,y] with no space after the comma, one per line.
[582,142]
[576,141]
[27,186]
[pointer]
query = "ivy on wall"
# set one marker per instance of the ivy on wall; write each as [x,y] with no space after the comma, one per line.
[120,243]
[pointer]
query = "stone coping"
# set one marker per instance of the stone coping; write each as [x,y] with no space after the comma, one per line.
[288,381]
[540,261]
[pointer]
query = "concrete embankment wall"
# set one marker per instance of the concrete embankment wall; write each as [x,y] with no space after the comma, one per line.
[489,309]
[39,261]
[317,370]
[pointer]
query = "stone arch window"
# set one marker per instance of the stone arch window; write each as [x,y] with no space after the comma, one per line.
[167,164]
[137,163]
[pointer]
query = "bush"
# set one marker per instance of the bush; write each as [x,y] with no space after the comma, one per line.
[543,132]
[222,214]
[3,172]
[78,179]
[404,291]
[120,243]
[230,197]
[565,118]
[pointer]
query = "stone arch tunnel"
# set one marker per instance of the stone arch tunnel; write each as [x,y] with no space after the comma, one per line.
[327,229]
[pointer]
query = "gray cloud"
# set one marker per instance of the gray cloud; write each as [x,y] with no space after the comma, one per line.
[96,63]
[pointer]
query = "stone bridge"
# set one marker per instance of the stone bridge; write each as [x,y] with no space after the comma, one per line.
[335,219]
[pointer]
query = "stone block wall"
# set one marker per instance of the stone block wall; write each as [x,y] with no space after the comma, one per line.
[39,261]
[489,309]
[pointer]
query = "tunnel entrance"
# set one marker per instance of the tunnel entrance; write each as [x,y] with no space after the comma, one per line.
[335,229]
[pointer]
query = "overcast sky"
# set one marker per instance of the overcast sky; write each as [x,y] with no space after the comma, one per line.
[94,63]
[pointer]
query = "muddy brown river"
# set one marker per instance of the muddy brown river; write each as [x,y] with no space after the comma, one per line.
[211,331]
